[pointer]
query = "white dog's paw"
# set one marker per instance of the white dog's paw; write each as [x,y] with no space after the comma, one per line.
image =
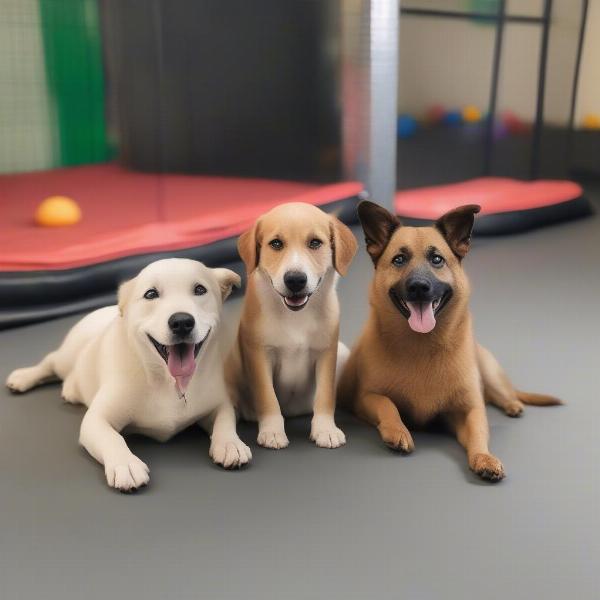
[127,475]
[271,433]
[21,380]
[229,452]
[325,433]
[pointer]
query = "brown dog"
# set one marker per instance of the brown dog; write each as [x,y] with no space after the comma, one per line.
[417,359]
[286,355]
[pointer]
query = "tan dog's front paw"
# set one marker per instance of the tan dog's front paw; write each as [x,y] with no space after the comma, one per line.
[271,433]
[273,439]
[230,453]
[514,409]
[397,438]
[487,467]
[127,475]
[325,433]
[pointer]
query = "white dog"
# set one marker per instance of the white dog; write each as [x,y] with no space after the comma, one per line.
[152,365]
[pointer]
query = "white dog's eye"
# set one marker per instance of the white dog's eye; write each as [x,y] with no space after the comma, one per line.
[276,244]
[151,294]
[315,243]
[199,290]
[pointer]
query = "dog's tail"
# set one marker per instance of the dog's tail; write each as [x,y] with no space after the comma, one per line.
[538,399]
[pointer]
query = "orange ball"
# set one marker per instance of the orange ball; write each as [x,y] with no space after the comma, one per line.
[591,121]
[58,211]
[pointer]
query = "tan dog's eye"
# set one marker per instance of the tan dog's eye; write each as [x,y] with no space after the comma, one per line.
[199,290]
[400,260]
[276,244]
[151,294]
[436,260]
[315,243]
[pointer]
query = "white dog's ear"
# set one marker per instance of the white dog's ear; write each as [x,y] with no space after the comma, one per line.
[227,279]
[249,248]
[343,245]
[125,290]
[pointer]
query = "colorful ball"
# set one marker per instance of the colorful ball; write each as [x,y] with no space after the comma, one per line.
[58,211]
[513,123]
[453,118]
[591,121]
[471,114]
[407,126]
[435,114]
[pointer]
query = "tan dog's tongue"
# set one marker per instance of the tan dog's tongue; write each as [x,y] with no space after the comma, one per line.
[181,364]
[422,319]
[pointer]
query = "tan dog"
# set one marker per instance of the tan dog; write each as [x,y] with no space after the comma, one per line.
[284,361]
[417,359]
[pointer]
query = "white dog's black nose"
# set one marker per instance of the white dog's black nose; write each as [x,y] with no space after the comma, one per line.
[181,323]
[295,281]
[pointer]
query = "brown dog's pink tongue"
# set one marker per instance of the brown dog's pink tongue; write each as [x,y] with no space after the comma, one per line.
[422,319]
[181,364]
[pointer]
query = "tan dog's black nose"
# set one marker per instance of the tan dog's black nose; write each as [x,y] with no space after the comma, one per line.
[295,281]
[181,323]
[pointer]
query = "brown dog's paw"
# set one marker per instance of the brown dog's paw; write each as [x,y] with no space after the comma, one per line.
[488,467]
[397,438]
[514,409]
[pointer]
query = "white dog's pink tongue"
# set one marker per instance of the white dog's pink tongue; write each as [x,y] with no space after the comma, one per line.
[422,319]
[181,364]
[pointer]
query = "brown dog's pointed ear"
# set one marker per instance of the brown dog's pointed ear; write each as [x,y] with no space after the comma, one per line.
[343,245]
[227,280]
[379,226]
[457,226]
[124,294]
[249,248]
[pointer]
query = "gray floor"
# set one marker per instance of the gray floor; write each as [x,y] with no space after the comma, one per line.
[358,522]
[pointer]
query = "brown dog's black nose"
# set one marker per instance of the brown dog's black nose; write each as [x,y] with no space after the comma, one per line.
[418,288]
[181,323]
[295,281]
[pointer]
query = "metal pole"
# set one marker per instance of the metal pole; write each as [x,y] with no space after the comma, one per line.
[575,86]
[369,94]
[489,126]
[539,113]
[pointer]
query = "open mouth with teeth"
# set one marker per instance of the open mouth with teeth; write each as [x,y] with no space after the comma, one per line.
[421,315]
[180,360]
[296,302]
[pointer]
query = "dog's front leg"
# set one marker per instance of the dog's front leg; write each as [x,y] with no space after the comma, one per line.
[380,411]
[226,448]
[472,432]
[271,430]
[323,431]
[124,471]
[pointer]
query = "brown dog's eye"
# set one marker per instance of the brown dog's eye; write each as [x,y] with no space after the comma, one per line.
[276,244]
[436,260]
[151,294]
[315,243]
[199,290]
[399,260]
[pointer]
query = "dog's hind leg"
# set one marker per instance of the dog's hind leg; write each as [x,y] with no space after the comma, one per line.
[497,388]
[21,380]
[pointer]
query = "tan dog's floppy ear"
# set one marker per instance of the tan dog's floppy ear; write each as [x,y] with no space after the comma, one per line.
[343,245]
[457,226]
[227,279]
[123,296]
[379,226]
[249,249]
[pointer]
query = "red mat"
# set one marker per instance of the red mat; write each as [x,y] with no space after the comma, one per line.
[127,213]
[494,194]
